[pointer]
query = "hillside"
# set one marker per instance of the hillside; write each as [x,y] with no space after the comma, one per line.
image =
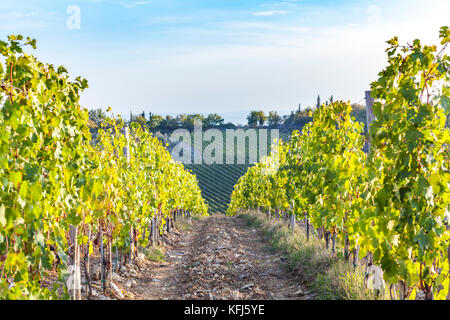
[217,181]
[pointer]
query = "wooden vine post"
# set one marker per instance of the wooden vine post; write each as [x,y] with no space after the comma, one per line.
[131,245]
[370,117]
[152,231]
[126,154]
[87,263]
[172,220]
[117,259]
[102,260]
[150,236]
[327,239]
[369,114]
[346,248]
[75,285]
[168,224]
[333,242]
[307,226]
[110,265]
[293,222]
[448,261]
[158,223]
[157,229]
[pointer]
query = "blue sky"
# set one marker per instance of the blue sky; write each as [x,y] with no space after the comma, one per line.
[224,56]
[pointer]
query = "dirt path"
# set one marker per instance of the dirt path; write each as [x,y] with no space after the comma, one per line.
[220,258]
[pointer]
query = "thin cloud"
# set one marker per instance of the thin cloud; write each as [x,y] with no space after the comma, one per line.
[269,13]
[133,4]
[20,20]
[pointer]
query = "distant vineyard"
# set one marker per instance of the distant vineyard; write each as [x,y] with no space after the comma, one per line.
[217,181]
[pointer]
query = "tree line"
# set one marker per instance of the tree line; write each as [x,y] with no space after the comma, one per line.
[255,119]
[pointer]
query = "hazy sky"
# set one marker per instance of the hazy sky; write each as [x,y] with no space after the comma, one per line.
[224,56]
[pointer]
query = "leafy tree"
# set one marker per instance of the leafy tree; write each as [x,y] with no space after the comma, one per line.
[296,120]
[97,116]
[252,119]
[256,118]
[191,119]
[169,124]
[261,118]
[213,120]
[131,116]
[141,120]
[182,118]
[154,121]
[274,119]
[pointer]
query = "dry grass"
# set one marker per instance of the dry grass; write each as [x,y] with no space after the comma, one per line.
[323,272]
[155,254]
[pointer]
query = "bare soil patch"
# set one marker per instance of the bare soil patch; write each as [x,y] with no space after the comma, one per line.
[220,258]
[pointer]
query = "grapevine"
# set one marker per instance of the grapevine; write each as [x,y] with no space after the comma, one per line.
[56,177]
[394,202]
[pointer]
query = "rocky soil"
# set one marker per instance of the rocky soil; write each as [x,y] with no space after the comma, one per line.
[219,258]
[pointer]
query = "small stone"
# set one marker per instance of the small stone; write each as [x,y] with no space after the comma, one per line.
[117,291]
[248,285]
[242,276]
[141,256]
[299,293]
[94,292]
[116,277]
[134,273]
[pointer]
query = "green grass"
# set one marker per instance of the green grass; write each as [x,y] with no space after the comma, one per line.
[324,273]
[184,225]
[155,254]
